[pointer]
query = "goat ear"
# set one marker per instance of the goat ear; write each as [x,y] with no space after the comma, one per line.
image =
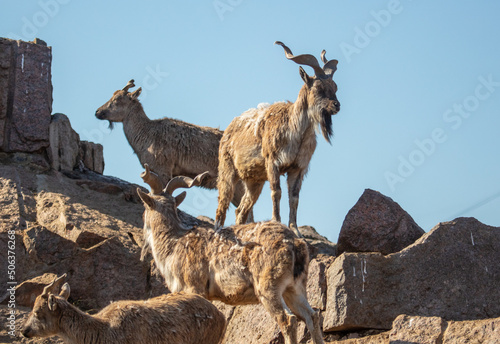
[146,199]
[52,302]
[65,291]
[179,198]
[307,79]
[136,93]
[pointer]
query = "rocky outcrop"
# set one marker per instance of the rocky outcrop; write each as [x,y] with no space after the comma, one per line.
[450,272]
[59,214]
[64,148]
[25,95]
[26,124]
[377,224]
[66,151]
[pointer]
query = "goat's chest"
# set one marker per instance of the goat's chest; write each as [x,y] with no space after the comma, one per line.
[295,149]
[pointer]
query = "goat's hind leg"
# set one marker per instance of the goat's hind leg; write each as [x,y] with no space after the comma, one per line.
[287,322]
[298,304]
[226,183]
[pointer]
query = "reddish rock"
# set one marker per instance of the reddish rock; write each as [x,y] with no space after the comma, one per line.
[47,246]
[25,116]
[409,329]
[377,224]
[450,272]
[318,244]
[317,281]
[64,143]
[91,154]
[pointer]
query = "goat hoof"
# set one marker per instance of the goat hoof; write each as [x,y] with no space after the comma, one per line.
[295,230]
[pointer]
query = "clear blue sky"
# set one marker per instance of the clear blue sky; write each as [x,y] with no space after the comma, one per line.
[419,84]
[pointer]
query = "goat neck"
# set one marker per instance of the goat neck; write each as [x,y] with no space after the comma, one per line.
[136,124]
[76,327]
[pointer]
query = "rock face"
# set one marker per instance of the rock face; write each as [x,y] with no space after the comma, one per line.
[450,272]
[66,151]
[26,124]
[91,154]
[412,329]
[64,148]
[63,227]
[377,224]
[25,95]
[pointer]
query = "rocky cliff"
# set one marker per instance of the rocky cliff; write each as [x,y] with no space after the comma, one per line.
[390,282]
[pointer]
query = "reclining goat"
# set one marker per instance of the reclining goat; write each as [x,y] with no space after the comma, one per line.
[170,319]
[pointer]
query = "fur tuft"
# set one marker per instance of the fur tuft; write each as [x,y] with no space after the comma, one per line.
[301,258]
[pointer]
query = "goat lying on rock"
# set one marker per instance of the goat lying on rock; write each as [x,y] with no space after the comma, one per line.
[272,140]
[170,319]
[243,264]
[169,146]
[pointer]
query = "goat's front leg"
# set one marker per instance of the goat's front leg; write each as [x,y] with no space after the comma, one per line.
[273,175]
[294,180]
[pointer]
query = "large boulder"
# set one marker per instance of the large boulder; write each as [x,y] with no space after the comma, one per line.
[377,224]
[450,272]
[64,148]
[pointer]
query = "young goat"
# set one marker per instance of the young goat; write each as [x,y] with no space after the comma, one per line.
[169,146]
[169,319]
[272,140]
[243,264]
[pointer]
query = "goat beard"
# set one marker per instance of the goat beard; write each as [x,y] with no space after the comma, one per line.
[326,125]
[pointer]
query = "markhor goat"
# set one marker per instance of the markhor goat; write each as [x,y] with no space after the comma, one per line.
[272,140]
[242,264]
[169,146]
[169,319]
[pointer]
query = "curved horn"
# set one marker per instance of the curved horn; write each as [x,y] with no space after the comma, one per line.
[304,59]
[323,57]
[56,283]
[184,182]
[130,84]
[330,66]
[152,179]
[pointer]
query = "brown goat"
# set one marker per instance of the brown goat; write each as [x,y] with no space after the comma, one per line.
[169,146]
[272,140]
[238,265]
[170,319]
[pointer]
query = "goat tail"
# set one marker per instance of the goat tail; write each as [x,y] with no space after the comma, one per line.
[301,258]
